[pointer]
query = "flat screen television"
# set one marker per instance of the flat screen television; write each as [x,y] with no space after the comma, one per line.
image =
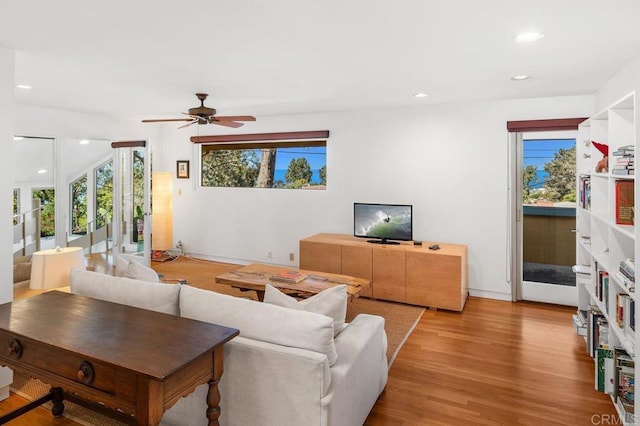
[383,223]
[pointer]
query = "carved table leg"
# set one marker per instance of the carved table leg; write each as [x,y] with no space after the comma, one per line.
[57,399]
[213,402]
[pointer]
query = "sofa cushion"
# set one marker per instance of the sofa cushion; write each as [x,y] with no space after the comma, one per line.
[331,302]
[261,321]
[141,294]
[21,272]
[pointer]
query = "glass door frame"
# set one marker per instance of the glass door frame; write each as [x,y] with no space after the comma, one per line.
[516,130]
[126,149]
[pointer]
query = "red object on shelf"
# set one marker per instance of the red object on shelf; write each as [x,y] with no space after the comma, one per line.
[604,149]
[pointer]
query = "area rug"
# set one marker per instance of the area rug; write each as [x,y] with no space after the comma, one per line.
[400,319]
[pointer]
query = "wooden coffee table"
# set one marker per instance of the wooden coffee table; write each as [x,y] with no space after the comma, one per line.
[256,276]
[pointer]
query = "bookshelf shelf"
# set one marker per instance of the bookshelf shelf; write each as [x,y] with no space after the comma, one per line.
[607,240]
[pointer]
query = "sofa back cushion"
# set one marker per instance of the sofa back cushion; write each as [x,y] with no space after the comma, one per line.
[141,294]
[261,321]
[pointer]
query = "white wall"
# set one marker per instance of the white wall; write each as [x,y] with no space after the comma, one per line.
[7,110]
[449,161]
[621,84]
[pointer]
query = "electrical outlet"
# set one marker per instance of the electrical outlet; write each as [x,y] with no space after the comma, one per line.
[269,254]
[291,257]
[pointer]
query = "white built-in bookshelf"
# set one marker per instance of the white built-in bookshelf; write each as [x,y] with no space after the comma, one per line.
[606,247]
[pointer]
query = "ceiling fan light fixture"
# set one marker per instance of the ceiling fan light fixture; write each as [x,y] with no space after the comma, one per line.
[205,115]
[528,37]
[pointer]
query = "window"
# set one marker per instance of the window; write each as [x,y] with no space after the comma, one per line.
[104,193]
[47,198]
[78,197]
[16,206]
[293,165]
[138,192]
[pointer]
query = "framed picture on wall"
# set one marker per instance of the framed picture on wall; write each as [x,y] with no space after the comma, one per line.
[182,169]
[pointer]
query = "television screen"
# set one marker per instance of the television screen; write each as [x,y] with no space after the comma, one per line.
[383,222]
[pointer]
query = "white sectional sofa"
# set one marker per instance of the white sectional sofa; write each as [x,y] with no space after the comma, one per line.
[285,367]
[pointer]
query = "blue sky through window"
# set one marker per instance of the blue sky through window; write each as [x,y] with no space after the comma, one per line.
[538,152]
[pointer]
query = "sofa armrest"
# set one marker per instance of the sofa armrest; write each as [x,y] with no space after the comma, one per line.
[277,384]
[360,373]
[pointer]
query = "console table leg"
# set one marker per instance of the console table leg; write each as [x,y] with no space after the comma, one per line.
[213,403]
[213,395]
[57,396]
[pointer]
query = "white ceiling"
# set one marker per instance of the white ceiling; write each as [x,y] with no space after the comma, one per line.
[148,57]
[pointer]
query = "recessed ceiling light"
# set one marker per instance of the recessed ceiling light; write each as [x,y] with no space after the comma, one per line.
[41,171]
[420,95]
[18,138]
[84,142]
[528,37]
[24,86]
[520,77]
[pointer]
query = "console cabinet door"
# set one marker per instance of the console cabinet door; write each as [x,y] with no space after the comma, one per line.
[434,280]
[322,257]
[357,262]
[389,274]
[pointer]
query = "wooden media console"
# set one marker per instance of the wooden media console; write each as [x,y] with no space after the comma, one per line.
[404,273]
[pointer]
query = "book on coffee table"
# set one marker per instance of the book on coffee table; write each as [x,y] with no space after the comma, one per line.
[289,276]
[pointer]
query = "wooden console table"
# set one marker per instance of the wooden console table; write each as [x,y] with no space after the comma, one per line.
[402,273]
[133,360]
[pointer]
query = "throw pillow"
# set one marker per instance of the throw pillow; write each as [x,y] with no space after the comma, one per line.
[331,302]
[138,271]
[261,321]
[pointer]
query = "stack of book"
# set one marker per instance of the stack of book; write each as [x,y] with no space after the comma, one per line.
[628,271]
[625,161]
[290,276]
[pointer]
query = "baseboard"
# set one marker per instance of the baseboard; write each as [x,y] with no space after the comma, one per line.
[490,295]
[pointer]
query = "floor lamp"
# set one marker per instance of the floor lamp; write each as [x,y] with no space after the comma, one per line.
[161,213]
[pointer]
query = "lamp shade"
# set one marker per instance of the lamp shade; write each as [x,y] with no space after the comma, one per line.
[52,268]
[161,210]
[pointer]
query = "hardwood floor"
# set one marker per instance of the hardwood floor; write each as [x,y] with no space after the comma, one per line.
[495,363]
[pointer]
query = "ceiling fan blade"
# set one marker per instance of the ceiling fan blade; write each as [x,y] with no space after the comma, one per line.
[227,123]
[235,118]
[188,124]
[159,120]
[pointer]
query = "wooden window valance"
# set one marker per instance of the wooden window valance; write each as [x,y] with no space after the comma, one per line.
[544,125]
[257,137]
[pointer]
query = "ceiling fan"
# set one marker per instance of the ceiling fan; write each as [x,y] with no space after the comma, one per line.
[206,115]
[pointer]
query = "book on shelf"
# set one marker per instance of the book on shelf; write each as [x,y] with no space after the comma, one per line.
[604,372]
[624,383]
[585,192]
[289,276]
[597,331]
[624,202]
